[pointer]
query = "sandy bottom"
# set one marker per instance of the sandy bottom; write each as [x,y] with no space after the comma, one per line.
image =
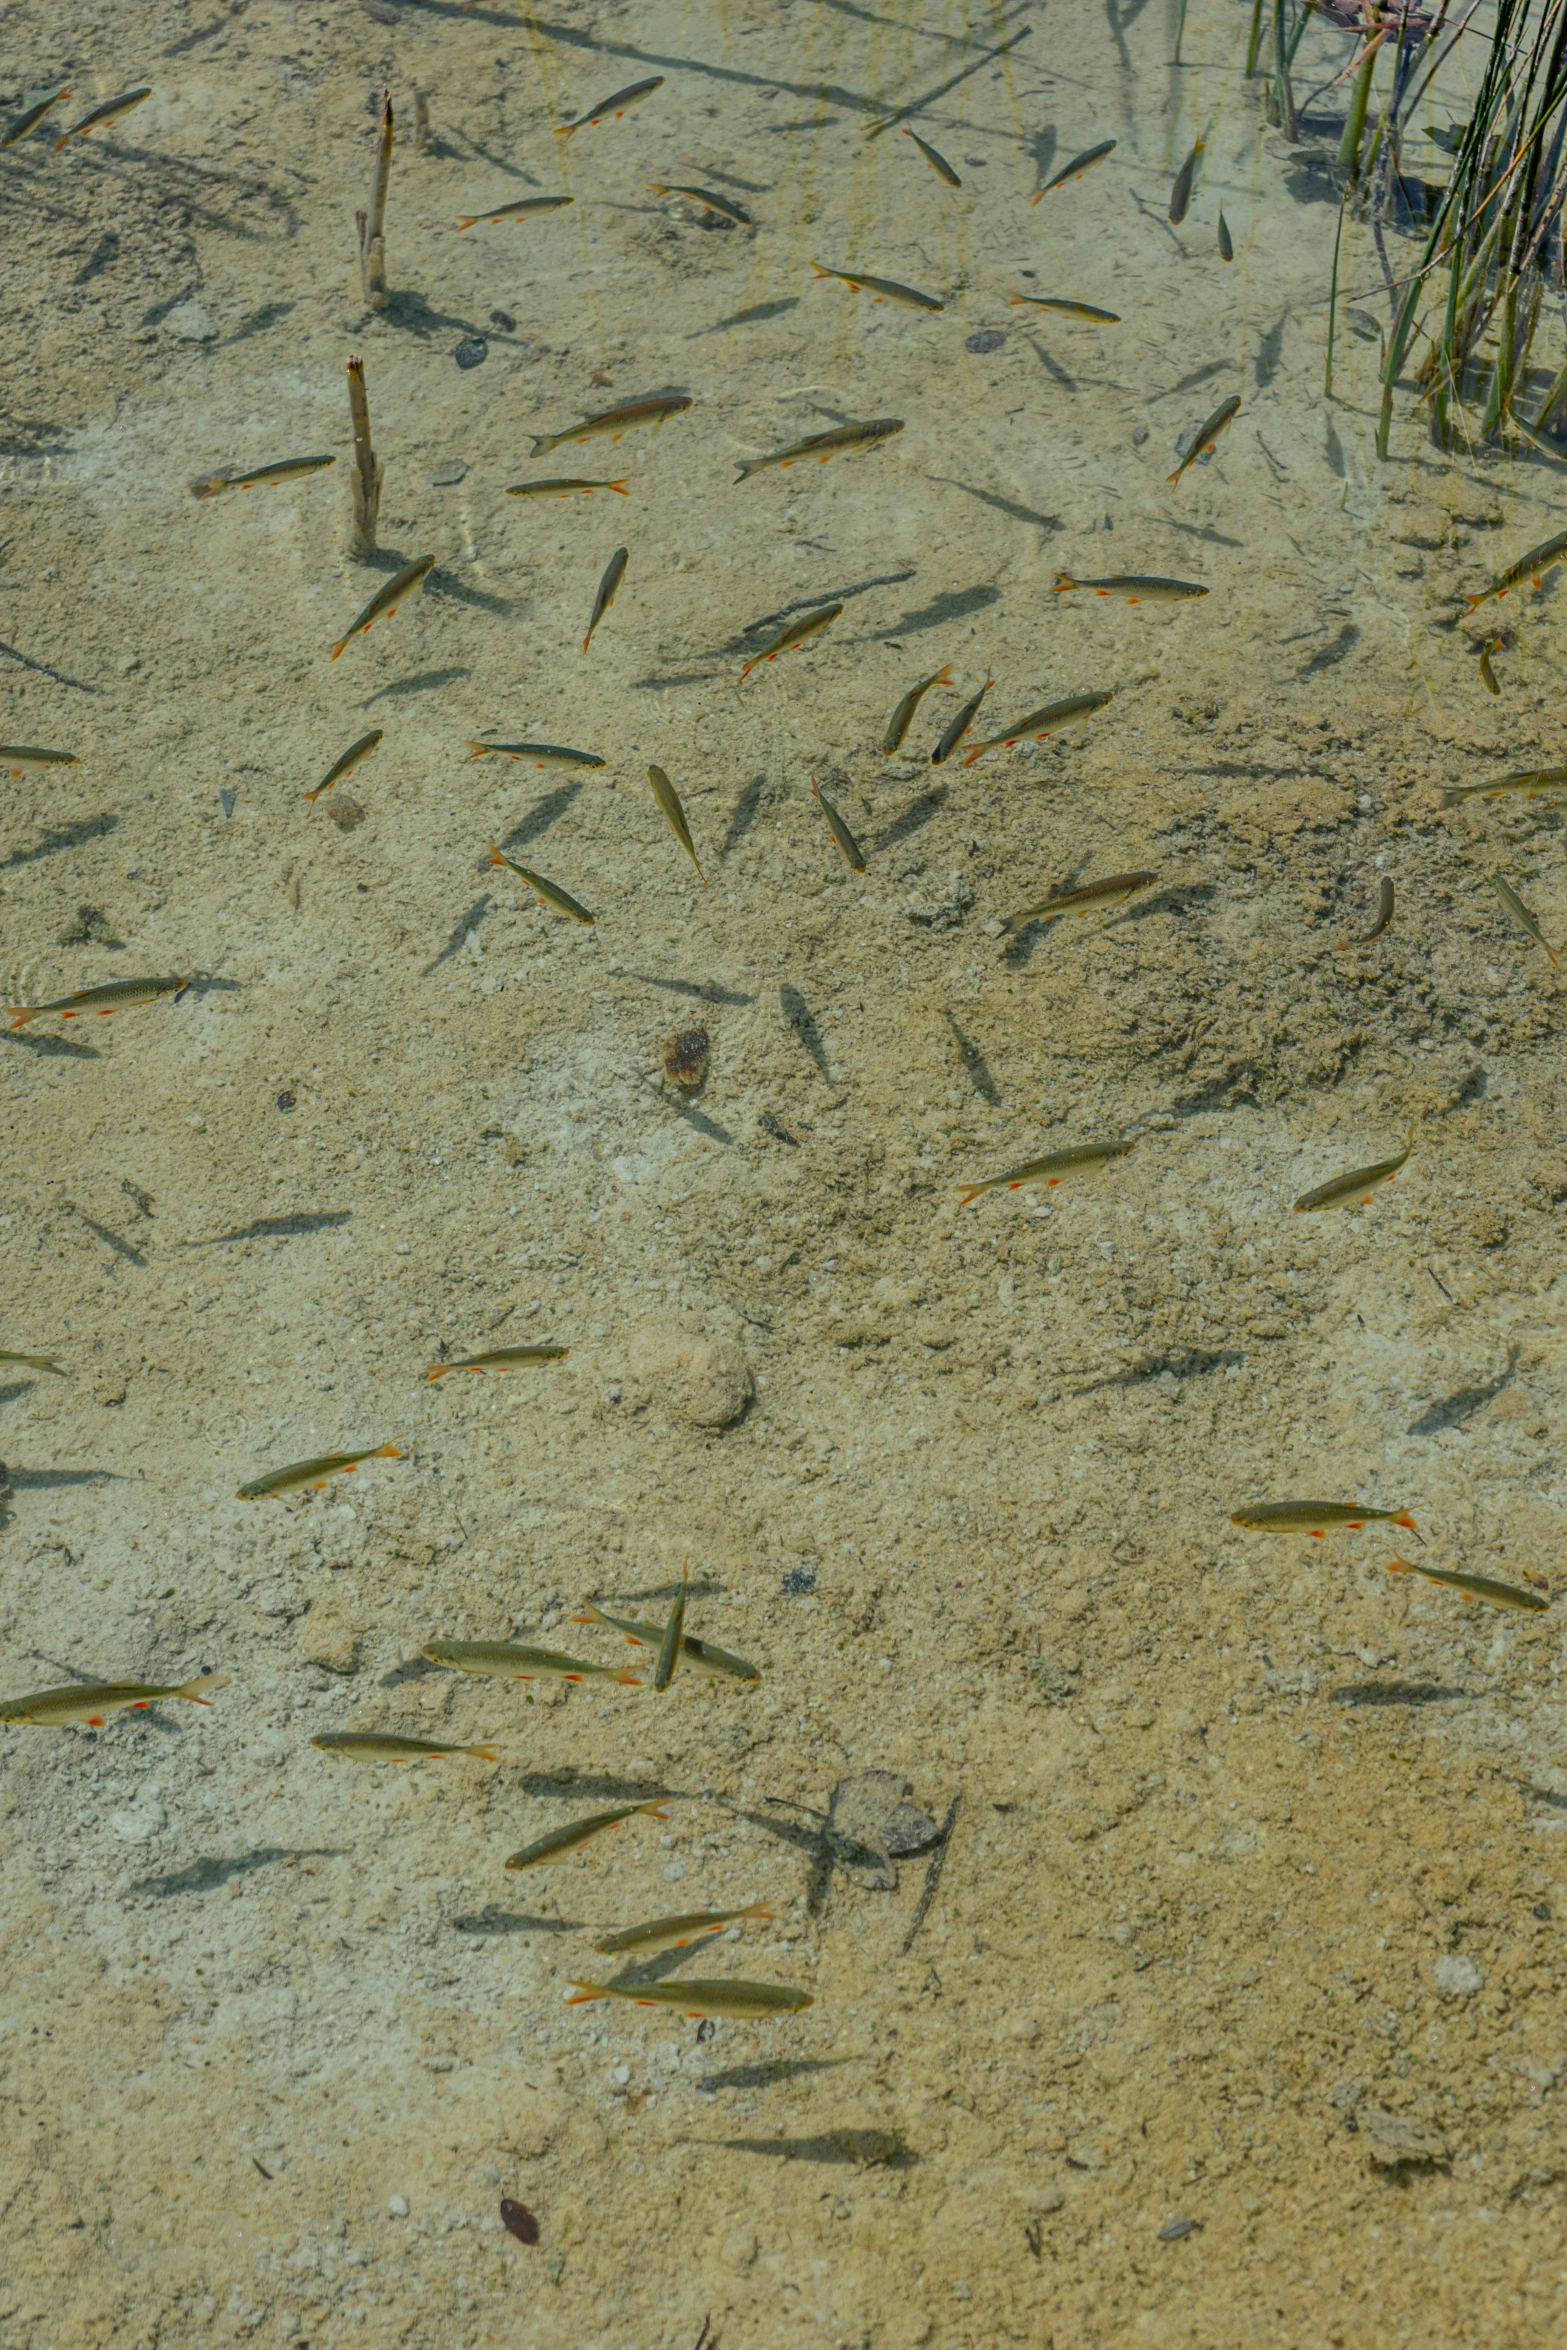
[1251,1911]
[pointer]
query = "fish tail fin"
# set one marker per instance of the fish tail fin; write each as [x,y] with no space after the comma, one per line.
[585,1993]
[541,441]
[621,487]
[563,130]
[943,675]
[495,857]
[627,1680]
[816,265]
[24,1013]
[1404,1519]
[313,796]
[747,468]
[338,648]
[193,1689]
[973,1192]
[387,1452]
[746,671]
[654,1809]
[466,220]
[1401,1567]
[758,1909]
[437,1371]
[1064,580]
[591,1614]
[1176,475]
[483,1753]
[1035,197]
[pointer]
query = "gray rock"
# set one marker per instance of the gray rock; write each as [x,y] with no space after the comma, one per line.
[1398,2140]
[870,1820]
[940,900]
[449,472]
[686,1374]
[141,1824]
[191,322]
[1458,1976]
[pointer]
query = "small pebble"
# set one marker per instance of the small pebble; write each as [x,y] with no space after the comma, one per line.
[798,1581]
[504,320]
[285,1101]
[517,2219]
[989,338]
[686,1056]
[226,803]
[472,351]
[191,322]
[451,469]
[1174,2229]
[398,2207]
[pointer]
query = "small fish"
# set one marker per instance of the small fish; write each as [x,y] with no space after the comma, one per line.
[880,289]
[20,124]
[958,727]
[118,996]
[619,103]
[371,1746]
[614,573]
[675,1933]
[547,892]
[614,421]
[1487,674]
[1226,241]
[938,162]
[1094,897]
[670,1644]
[1181,193]
[35,1363]
[1052,1169]
[1530,780]
[1474,1587]
[541,754]
[1316,1518]
[385,601]
[300,1474]
[1132,587]
[511,1660]
[102,116]
[348,762]
[15,758]
[265,476]
[1356,1188]
[674,816]
[903,717]
[1039,723]
[1515,906]
[1207,434]
[822,445]
[525,210]
[701,1656]
[501,1358]
[91,1702]
[1532,567]
[1384,917]
[724,206]
[844,841]
[1076,168]
[560,1841]
[798,632]
[1068,306]
[744,2002]
[565,488]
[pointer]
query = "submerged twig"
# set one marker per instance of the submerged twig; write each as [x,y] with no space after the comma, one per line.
[366,477]
[933,1873]
[372,223]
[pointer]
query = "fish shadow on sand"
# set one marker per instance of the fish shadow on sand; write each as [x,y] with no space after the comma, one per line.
[705,992]
[602,1786]
[862,2149]
[975,1065]
[205,1876]
[59,1480]
[803,1021]
[914,819]
[541,816]
[772,2072]
[1454,1409]
[111,1240]
[17,1387]
[1361,1693]
[1007,506]
[427,682]
[466,922]
[52,1048]
[277,1228]
[65,836]
[514,1921]
[955,604]
[839,595]
[757,315]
